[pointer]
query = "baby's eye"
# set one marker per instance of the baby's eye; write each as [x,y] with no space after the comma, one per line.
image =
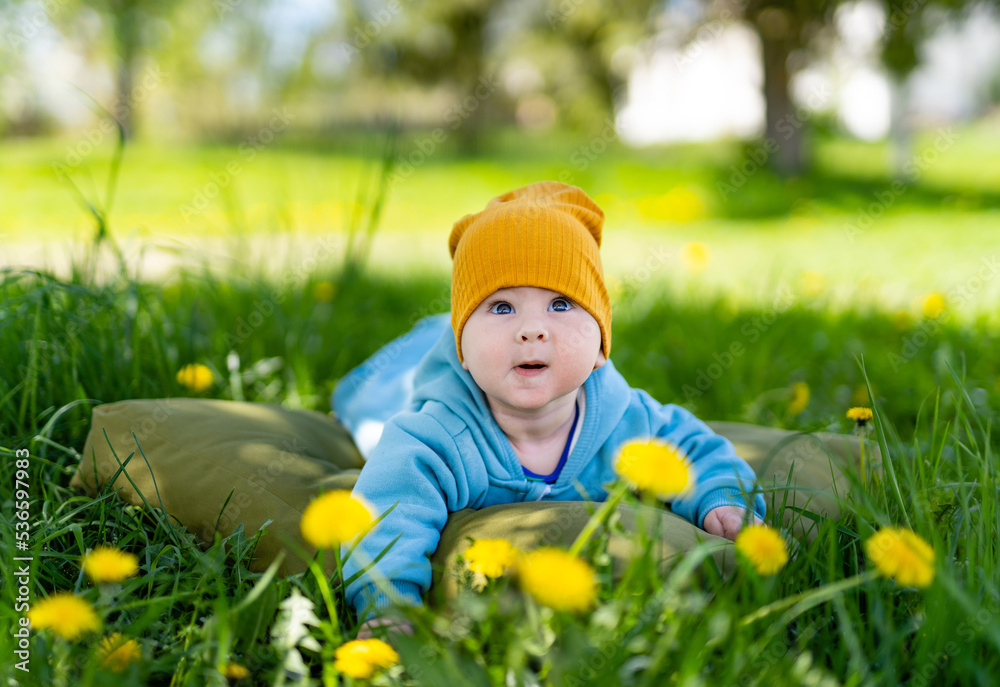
[501,308]
[561,305]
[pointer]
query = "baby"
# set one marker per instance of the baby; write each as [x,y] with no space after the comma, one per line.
[518,400]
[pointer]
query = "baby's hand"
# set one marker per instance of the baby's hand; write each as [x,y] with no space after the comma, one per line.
[365,631]
[727,521]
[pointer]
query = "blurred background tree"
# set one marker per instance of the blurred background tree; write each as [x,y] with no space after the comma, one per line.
[132,26]
[794,32]
[467,65]
[508,62]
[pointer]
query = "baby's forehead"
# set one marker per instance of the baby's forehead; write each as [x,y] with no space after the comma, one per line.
[523,292]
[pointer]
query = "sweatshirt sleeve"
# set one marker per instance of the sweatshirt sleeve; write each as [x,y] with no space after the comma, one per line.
[407,468]
[721,477]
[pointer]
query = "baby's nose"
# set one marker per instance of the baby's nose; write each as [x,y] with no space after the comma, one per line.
[534,332]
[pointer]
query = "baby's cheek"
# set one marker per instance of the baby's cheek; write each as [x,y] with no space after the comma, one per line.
[573,339]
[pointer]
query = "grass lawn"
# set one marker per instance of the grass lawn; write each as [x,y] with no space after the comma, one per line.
[775,271]
[844,229]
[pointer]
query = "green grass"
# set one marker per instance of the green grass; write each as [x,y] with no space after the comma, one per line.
[70,341]
[936,234]
[182,605]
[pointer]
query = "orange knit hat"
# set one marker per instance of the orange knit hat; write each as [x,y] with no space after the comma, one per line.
[546,235]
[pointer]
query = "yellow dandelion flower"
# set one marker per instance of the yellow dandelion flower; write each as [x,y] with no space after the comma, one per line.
[117,653]
[860,415]
[491,557]
[799,398]
[335,518]
[108,564]
[557,579]
[902,555]
[324,291]
[812,283]
[676,205]
[763,547]
[67,615]
[685,204]
[235,671]
[197,378]
[655,466]
[695,256]
[360,658]
[933,305]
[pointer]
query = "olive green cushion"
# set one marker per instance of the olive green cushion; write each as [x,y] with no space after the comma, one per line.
[803,476]
[272,460]
[269,462]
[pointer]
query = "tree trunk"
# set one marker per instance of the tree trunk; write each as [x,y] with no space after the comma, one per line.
[784,125]
[467,27]
[607,83]
[123,104]
[900,136]
[127,29]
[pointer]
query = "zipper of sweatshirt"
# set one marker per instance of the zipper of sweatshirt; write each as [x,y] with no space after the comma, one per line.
[546,492]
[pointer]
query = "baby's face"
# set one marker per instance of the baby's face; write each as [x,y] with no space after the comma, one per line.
[530,326]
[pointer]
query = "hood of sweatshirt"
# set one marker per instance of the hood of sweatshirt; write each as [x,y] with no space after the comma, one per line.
[441,377]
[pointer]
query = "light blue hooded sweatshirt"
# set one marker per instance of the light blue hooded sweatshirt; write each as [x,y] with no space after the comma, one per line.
[446,453]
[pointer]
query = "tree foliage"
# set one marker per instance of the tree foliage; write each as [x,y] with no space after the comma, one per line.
[473,63]
[130,22]
[787,28]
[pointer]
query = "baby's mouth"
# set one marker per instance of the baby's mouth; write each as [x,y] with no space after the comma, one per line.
[532,367]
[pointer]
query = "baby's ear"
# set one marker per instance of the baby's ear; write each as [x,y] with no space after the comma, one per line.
[600,359]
